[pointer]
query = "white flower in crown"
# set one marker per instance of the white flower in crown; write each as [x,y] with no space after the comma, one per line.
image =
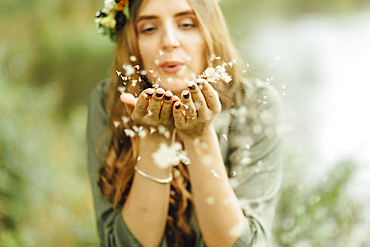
[109,5]
[109,21]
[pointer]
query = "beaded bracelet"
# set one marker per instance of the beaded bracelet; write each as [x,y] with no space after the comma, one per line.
[161,181]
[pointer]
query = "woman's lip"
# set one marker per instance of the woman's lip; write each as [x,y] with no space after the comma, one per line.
[171,67]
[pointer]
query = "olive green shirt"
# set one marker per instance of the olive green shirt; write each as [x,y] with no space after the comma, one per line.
[249,138]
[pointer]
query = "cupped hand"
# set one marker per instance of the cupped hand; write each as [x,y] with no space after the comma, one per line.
[199,106]
[152,108]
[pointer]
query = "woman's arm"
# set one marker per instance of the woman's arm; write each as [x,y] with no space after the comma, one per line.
[240,214]
[146,207]
[215,202]
[220,218]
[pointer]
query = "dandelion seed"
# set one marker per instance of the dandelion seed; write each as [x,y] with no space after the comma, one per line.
[121,89]
[265,97]
[203,145]
[188,58]
[237,229]
[166,155]
[155,86]
[125,119]
[129,133]
[215,174]
[137,67]
[138,158]
[225,136]
[230,64]
[186,106]
[156,62]
[264,102]
[213,57]
[234,173]
[182,71]
[193,75]
[248,65]
[284,86]
[129,70]
[177,173]
[207,160]
[151,71]
[150,112]
[233,60]
[133,58]
[152,130]
[216,74]
[161,53]
[257,129]
[210,200]
[226,201]
[169,79]
[234,183]
[133,83]
[284,93]
[244,71]
[118,73]
[248,146]
[143,72]
[245,161]
[277,58]
[116,123]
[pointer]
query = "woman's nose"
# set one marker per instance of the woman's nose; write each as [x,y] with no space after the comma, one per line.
[170,37]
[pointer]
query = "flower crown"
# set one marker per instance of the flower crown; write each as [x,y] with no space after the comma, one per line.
[112,17]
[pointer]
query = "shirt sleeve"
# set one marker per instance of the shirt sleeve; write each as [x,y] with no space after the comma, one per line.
[255,161]
[112,230]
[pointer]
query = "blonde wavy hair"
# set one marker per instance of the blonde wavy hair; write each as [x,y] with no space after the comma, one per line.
[117,172]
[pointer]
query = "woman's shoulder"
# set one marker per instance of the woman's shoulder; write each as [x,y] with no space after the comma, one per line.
[99,92]
[258,93]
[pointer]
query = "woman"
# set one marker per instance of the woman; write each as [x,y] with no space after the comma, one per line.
[147,191]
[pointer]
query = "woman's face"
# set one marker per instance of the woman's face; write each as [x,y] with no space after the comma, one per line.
[170,43]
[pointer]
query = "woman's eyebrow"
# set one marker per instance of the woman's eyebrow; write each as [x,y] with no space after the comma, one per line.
[187,12]
[146,17]
[151,17]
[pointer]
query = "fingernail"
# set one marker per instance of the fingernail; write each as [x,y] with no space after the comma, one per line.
[167,97]
[200,83]
[149,94]
[177,106]
[159,95]
[186,96]
[192,87]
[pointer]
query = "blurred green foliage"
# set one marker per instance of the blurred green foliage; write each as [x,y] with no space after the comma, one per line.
[50,59]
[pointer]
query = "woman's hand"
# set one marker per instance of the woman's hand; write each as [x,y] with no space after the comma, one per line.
[200,105]
[152,108]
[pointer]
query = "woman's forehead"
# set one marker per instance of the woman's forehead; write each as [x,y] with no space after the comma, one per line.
[159,7]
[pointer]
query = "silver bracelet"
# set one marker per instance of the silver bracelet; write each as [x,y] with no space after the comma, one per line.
[161,181]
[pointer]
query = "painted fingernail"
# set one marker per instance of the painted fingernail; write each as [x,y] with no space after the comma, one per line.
[186,96]
[200,83]
[149,94]
[192,87]
[177,106]
[159,95]
[167,97]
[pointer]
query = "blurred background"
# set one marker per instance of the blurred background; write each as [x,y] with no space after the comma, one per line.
[315,53]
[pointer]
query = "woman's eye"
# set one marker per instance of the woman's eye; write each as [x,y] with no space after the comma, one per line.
[187,25]
[148,30]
